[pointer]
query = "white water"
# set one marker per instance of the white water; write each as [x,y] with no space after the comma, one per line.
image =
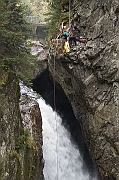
[62,158]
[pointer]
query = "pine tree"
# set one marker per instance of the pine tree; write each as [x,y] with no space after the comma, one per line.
[14,31]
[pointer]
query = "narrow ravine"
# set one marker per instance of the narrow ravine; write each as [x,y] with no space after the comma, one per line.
[62,156]
[63,160]
[81,162]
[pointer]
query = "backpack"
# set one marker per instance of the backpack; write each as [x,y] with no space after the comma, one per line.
[66,33]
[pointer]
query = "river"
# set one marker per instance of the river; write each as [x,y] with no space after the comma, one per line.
[63,160]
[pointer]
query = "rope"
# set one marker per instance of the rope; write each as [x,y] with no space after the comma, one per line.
[55,112]
[69,12]
[55,95]
[54,79]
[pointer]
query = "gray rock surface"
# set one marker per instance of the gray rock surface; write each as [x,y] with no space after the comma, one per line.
[20,144]
[89,75]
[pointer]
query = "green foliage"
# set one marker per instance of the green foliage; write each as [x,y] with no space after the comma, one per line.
[57,14]
[14,31]
[14,154]
[26,140]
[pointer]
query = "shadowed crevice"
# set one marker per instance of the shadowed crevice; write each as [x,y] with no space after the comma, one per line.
[43,84]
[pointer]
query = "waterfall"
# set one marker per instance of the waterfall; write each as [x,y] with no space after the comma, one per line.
[63,160]
[63,157]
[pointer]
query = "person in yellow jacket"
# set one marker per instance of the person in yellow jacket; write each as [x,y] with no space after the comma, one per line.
[66,47]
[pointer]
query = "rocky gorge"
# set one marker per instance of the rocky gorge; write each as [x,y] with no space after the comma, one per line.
[89,76]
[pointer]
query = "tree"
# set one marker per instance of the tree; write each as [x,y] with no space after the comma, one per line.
[58,12]
[14,31]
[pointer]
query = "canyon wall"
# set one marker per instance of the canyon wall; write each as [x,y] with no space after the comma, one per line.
[20,137]
[89,76]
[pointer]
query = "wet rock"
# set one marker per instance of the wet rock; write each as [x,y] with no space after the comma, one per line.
[93,69]
[31,119]
[20,143]
[41,52]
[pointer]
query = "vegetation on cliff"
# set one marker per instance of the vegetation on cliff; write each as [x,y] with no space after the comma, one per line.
[14,31]
[20,151]
[59,12]
[51,12]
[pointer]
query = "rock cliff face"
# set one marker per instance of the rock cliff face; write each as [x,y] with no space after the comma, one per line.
[89,75]
[20,144]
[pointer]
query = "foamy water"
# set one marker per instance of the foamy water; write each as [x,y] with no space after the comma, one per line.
[62,158]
